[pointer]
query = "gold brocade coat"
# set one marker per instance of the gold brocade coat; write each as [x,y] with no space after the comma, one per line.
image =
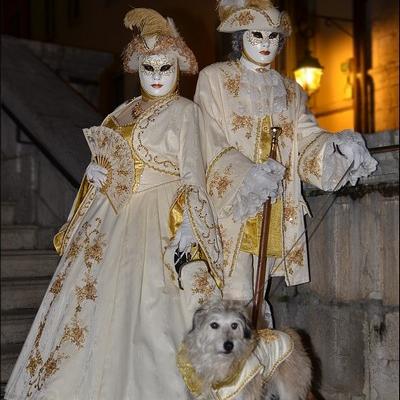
[234,139]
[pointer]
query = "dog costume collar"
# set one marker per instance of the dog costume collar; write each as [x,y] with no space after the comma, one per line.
[238,15]
[153,35]
[272,348]
[188,372]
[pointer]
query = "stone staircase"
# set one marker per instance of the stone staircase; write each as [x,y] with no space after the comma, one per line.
[43,157]
[25,274]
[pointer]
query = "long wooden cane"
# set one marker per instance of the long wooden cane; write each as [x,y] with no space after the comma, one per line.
[262,252]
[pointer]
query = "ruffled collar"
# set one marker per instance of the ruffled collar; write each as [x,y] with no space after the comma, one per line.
[263,87]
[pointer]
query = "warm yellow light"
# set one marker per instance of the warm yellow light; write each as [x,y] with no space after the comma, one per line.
[309,78]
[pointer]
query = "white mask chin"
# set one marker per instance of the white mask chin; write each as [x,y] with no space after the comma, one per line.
[261,47]
[158,74]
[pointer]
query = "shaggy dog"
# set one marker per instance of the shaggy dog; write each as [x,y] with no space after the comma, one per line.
[220,342]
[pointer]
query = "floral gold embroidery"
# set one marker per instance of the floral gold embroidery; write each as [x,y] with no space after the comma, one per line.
[232,82]
[88,291]
[51,366]
[34,362]
[287,129]
[296,256]
[123,172]
[220,183]
[57,284]
[227,244]
[240,122]
[202,285]
[76,219]
[243,18]
[289,211]
[206,232]
[73,251]
[120,189]
[90,242]
[311,163]
[74,333]
[311,166]
[267,335]
[216,159]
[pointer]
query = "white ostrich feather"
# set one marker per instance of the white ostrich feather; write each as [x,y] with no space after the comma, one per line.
[173,28]
[225,7]
[232,3]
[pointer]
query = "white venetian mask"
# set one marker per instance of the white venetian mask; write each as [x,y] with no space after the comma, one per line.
[261,47]
[158,74]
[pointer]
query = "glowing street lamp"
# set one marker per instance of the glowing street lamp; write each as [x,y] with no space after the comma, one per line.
[308,73]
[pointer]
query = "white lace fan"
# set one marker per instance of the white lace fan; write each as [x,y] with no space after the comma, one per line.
[112,152]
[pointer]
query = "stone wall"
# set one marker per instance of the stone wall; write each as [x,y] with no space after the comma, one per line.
[349,311]
[82,69]
[385,62]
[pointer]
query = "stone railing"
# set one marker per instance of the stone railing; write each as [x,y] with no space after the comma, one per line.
[350,310]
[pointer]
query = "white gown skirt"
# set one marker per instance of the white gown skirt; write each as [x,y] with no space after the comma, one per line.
[109,325]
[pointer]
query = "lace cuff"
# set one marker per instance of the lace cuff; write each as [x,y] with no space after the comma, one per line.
[262,181]
[351,145]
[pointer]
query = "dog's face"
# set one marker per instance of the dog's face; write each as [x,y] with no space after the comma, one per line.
[222,330]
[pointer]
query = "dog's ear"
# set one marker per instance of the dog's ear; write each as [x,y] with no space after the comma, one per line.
[198,317]
[247,332]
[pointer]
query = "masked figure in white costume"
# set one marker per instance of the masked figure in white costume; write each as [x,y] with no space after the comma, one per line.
[114,314]
[240,101]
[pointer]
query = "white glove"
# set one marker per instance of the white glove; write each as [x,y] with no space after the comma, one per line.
[184,237]
[351,145]
[96,174]
[262,181]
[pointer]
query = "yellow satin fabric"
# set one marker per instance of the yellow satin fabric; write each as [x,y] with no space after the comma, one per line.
[175,221]
[252,230]
[176,213]
[126,132]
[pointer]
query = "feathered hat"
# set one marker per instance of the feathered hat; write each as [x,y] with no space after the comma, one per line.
[237,15]
[154,34]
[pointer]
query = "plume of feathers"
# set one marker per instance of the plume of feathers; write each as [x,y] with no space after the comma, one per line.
[226,7]
[173,29]
[147,22]
[263,4]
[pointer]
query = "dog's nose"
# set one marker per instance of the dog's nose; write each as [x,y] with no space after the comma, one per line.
[228,346]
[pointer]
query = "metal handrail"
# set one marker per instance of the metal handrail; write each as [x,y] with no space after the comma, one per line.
[39,145]
[384,149]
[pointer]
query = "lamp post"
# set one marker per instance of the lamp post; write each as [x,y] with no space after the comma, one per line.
[308,73]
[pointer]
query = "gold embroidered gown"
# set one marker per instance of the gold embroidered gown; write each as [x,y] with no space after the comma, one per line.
[113,315]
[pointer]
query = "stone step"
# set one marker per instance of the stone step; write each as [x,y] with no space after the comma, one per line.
[23,292]
[15,237]
[7,212]
[15,325]
[28,263]
[9,355]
